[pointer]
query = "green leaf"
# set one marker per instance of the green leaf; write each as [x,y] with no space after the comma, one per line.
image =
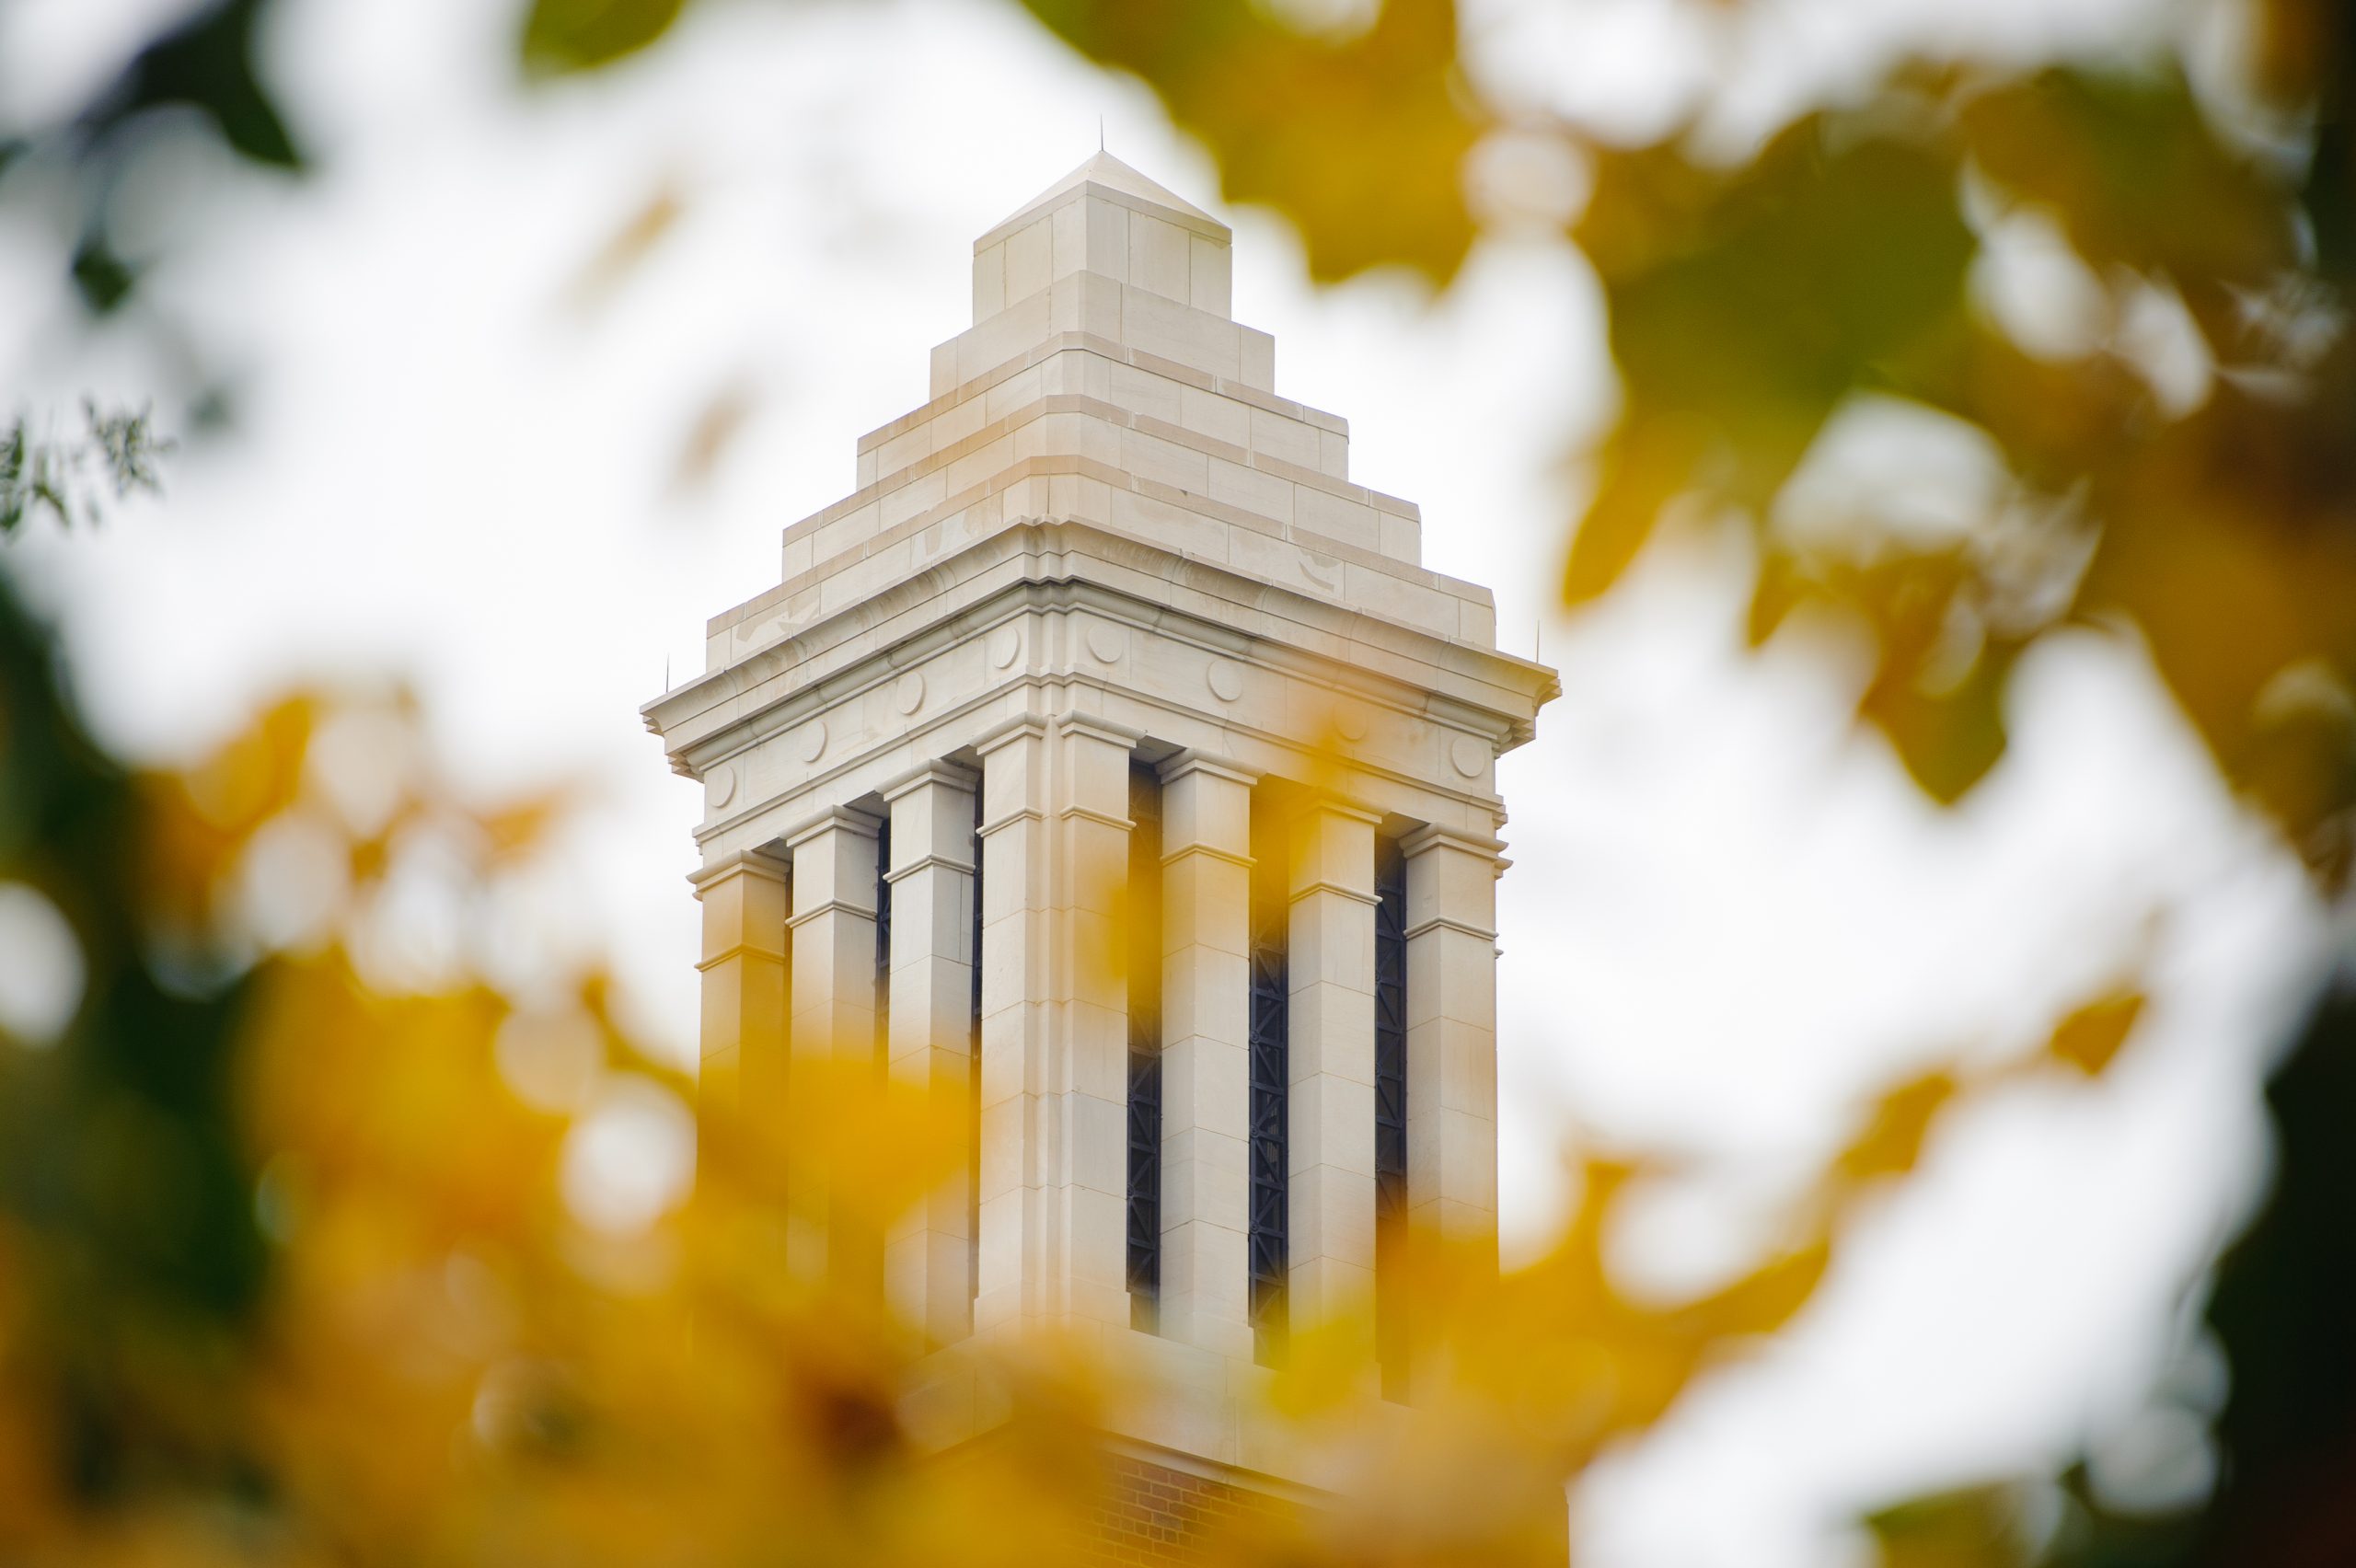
[103,279]
[561,37]
[205,64]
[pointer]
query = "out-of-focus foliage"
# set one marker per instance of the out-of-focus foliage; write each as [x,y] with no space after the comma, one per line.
[1360,137]
[287,1266]
[2184,468]
[201,67]
[1748,305]
[575,35]
[2274,1489]
[1753,300]
[206,64]
[301,1261]
[2179,461]
[1359,132]
[304,1255]
[41,474]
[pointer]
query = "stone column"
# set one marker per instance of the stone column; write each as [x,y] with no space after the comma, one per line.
[1330,1169]
[1452,1036]
[1089,987]
[1016,918]
[926,1255]
[1205,983]
[834,1025]
[742,1075]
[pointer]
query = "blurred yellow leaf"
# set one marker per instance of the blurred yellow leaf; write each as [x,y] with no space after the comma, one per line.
[2089,1038]
[627,248]
[1890,1143]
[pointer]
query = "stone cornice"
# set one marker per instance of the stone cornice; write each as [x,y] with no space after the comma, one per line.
[1045,580]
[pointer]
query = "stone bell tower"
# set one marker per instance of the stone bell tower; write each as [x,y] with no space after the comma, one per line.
[1107,764]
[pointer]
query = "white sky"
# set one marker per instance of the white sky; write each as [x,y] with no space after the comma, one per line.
[1729,918]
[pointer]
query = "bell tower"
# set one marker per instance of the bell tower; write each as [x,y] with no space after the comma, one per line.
[1107,765]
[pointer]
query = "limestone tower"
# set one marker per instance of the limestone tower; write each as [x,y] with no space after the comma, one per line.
[1108,763]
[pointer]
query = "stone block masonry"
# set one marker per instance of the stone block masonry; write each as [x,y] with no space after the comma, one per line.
[1107,771]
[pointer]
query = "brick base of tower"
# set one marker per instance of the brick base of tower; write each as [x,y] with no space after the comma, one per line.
[1157,1506]
[1154,1513]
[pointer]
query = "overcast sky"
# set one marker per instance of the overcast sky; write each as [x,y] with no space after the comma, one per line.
[1729,918]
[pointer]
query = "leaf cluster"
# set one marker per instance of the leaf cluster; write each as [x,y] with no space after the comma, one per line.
[41,474]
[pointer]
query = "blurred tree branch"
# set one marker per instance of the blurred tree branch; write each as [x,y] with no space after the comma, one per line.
[40,473]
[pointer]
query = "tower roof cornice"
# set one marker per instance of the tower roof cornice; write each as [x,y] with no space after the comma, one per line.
[1111,177]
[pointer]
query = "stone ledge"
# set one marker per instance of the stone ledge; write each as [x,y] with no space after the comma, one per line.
[1104,348]
[1030,570]
[1113,414]
[1159,571]
[1114,479]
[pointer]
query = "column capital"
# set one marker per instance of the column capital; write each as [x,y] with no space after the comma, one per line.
[1091,726]
[844,819]
[749,862]
[1433,836]
[1194,760]
[1332,845]
[1319,803]
[1006,731]
[944,775]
